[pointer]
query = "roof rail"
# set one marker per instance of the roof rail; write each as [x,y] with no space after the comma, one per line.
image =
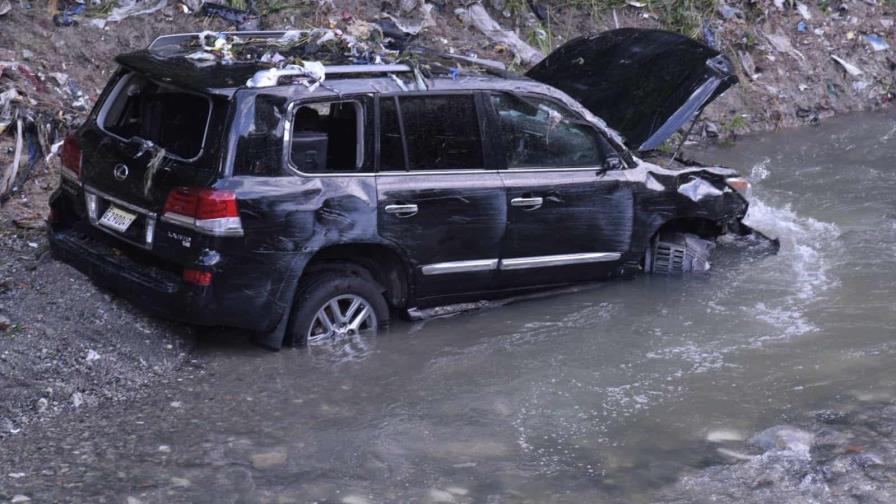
[270,76]
[178,38]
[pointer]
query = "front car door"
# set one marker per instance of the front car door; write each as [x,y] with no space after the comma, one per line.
[569,215]
[438,199]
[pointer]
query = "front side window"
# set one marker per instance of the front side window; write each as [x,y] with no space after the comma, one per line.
[440,132]
[538,133]
[327,137]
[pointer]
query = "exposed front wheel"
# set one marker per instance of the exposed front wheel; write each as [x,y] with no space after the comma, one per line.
[334,306]
[676,252]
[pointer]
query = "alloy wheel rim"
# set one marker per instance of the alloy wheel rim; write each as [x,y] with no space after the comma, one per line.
[341,316]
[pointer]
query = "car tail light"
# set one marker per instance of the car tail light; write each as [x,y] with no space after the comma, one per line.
[71,158]
[197,277]
[208,211]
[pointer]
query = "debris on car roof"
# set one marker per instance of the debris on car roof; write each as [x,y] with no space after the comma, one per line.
[227,60]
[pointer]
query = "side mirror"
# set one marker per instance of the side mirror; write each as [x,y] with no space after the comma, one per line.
[611,163]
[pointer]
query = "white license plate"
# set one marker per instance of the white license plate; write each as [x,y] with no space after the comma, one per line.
[117,219]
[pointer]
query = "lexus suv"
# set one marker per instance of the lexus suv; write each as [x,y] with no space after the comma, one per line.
[233,180]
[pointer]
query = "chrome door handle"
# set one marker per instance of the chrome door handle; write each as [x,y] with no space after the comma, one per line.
[402,210]
[527,203]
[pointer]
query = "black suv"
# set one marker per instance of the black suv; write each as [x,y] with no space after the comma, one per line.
[226,179]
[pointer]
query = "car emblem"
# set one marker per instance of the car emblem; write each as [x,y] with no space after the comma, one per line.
[120,172]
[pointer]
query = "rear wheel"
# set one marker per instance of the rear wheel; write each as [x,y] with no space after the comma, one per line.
[331,306]
[673,252]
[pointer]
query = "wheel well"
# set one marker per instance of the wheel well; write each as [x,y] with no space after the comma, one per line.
[383,264]
[704,228]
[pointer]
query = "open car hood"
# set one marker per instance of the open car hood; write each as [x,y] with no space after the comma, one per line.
[645,84]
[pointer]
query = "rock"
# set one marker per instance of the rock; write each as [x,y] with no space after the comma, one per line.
[711,129]
[268,459]
[41,405]
[724,435]
[92,355]
[440,496]
[785,438]
[180,482]
[457,490]
[5,323]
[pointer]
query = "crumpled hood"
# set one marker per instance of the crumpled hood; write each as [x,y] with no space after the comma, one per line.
[646,84]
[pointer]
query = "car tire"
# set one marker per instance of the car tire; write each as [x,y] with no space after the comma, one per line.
[314,302]
[672,252]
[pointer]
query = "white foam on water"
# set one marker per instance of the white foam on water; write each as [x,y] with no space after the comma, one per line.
[760,170]
[805,244]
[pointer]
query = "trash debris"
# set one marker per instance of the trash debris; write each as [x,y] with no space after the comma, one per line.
[66,17]
[412,26]
[876,42]
[729,12]
[243,19]
[801,27]
[313,70]
[5,7]
[540,11]
[781,44]
[803,10]
[477,16]
[92,355]
[128,8]
[849,67]
[746,62]
[8,176]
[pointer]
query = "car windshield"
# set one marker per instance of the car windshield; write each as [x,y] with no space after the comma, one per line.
[171,118]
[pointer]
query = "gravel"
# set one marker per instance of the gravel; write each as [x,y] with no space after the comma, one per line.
[66,345]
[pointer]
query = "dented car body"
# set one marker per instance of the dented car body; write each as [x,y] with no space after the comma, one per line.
[304,210]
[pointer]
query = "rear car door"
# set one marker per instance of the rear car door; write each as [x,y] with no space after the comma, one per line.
[569,214]
[438,199]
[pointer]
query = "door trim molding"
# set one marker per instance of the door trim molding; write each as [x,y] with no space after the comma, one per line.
[518,263]
[558,260]
[460,266]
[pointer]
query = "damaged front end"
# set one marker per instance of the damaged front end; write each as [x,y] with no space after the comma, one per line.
[647,85]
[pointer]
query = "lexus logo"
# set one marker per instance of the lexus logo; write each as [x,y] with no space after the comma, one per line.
[120,172]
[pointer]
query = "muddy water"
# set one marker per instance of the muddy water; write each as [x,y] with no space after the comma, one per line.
[600,395]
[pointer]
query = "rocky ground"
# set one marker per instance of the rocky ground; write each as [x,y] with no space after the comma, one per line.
[65,345]
[844,455]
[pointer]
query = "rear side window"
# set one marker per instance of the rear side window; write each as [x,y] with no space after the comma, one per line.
[440,133]
[327,137]
[171,118]
[538,133]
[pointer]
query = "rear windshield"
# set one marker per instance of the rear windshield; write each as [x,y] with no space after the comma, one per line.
[171,118]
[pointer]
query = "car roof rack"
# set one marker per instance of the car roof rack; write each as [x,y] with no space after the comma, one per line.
[178,38]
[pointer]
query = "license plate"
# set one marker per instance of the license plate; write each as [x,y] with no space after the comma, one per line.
[117,219]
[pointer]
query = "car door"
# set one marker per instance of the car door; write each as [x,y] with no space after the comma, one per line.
[438,199]
[569,215]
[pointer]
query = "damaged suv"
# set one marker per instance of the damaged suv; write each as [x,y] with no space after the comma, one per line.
[226,179]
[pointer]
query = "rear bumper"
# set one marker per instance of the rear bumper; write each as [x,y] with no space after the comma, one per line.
[151,287]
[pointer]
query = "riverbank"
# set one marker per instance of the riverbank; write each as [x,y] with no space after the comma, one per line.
[842,455]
